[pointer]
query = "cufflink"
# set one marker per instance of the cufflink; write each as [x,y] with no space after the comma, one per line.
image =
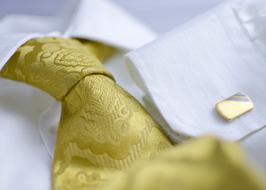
[234,106]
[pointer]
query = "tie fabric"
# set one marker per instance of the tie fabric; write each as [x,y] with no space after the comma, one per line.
[103,129]
[205,163]
[106,140]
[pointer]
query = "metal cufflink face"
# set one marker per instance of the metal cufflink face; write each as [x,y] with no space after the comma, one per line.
[234,106]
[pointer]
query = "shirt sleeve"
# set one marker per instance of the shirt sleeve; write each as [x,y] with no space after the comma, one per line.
[212,57]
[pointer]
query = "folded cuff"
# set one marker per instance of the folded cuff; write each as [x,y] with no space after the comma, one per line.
[188,70]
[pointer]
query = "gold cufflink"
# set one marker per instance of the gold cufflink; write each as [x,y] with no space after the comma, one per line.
[234,106]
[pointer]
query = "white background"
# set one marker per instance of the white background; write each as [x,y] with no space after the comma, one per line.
[161,15]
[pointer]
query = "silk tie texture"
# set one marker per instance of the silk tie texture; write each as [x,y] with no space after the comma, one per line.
[106,140]
[103,130]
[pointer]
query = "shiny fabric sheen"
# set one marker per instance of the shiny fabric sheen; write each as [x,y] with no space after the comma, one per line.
[200,164]
[103,130]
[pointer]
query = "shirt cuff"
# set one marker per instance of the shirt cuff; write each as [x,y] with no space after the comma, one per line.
[188,70]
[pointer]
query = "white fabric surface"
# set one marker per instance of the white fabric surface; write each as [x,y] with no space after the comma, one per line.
[85,19]
[164,15]
[29,117]
[188,70]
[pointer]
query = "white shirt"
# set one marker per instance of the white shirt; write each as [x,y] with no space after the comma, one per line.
[29,117]
[185,72]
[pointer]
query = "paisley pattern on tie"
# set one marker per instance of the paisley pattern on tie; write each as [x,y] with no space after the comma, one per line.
[103,130]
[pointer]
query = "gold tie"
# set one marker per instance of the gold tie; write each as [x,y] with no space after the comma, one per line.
[103,129]
[200,164]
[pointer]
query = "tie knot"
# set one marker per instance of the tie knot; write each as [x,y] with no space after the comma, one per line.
[54,65]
